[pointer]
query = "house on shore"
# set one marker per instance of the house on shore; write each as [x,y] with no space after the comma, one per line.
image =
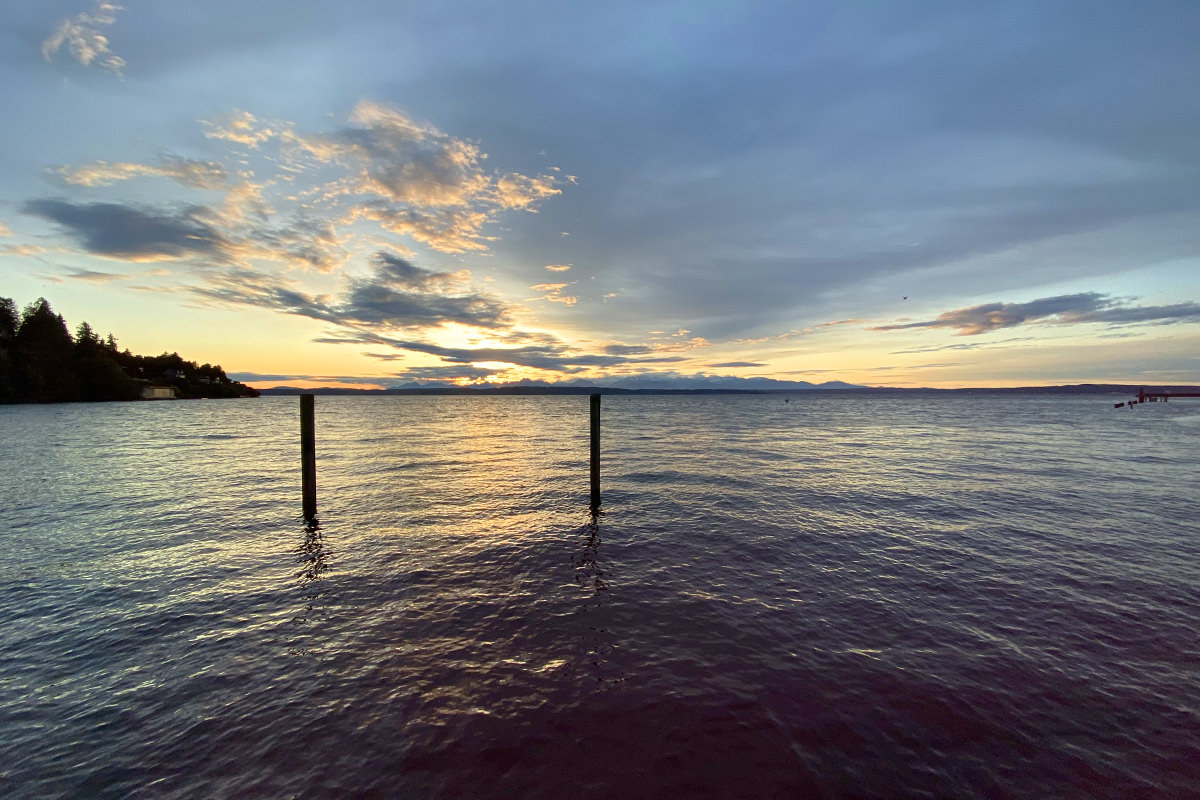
[158,392]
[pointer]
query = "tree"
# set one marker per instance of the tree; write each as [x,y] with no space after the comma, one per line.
[44,349]
[8,330]
[8,320]
[99,375]
[87,343]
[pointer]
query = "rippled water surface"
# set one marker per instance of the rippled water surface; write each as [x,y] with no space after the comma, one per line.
[832,596]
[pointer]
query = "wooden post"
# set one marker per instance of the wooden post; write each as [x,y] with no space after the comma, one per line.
[595,453]
[308,456]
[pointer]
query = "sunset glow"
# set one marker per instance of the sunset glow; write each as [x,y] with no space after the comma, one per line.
[941,196]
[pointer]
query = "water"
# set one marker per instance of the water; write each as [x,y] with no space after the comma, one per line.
[835,597]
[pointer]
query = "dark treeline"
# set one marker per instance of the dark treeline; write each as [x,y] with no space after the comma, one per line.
[41,362]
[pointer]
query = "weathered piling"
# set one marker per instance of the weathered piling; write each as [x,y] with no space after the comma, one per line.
[595,398]
[308,456]
[1163,396]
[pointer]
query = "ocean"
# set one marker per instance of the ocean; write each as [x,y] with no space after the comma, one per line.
[816,595]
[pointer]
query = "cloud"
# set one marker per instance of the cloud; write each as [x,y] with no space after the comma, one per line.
[628,349]
[809,371]
[966,346]
[118,231]
[670,380]
[414,180]
[453,373]
[1072,309]
[238,231]
[83,39]
[242,127]
[189,172]
[558,267]
[95,277]
[769,215]
[553,292]
[521,191]
[305,242]
[1121,315]
[310,209]
[316,199]
[895,367]
[400,295]
[395,296]
[347,380]
[4,230]
[556,358]
[732,364]
[545,353]
[678,342]
[400,273]
[402,161]
[21,250]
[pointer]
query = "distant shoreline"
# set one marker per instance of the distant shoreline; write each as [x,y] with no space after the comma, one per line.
[1080,389]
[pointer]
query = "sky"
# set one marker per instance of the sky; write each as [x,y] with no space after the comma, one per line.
[370,193]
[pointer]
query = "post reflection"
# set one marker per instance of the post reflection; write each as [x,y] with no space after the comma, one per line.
[313,558]
[587,566]
[590,573]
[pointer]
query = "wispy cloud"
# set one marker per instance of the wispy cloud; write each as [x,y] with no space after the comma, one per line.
[543,351]
[558,267]
[678,342]
[417,181]
[454,373]
[967,346]
[189,172]
[1070,309]
[897,368]
[409,178]
[242,127]
[553,292]
[798,332]
[337,380]
[552,356]
[21,249]
[92,276]
[83,39]
[628,349]
[734,364]
[395,296]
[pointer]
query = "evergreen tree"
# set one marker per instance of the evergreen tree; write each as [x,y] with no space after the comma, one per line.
[8,320]
[44,365]
[100,377]
[87,343]
[8,330]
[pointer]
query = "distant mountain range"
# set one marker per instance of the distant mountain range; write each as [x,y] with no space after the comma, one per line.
[740,386]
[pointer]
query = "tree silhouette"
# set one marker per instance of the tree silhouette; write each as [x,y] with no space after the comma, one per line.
[8,320]
[44,370]
[100,377]
[8,331]
[40,362]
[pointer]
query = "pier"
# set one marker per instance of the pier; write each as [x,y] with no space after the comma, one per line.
[1154,397]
